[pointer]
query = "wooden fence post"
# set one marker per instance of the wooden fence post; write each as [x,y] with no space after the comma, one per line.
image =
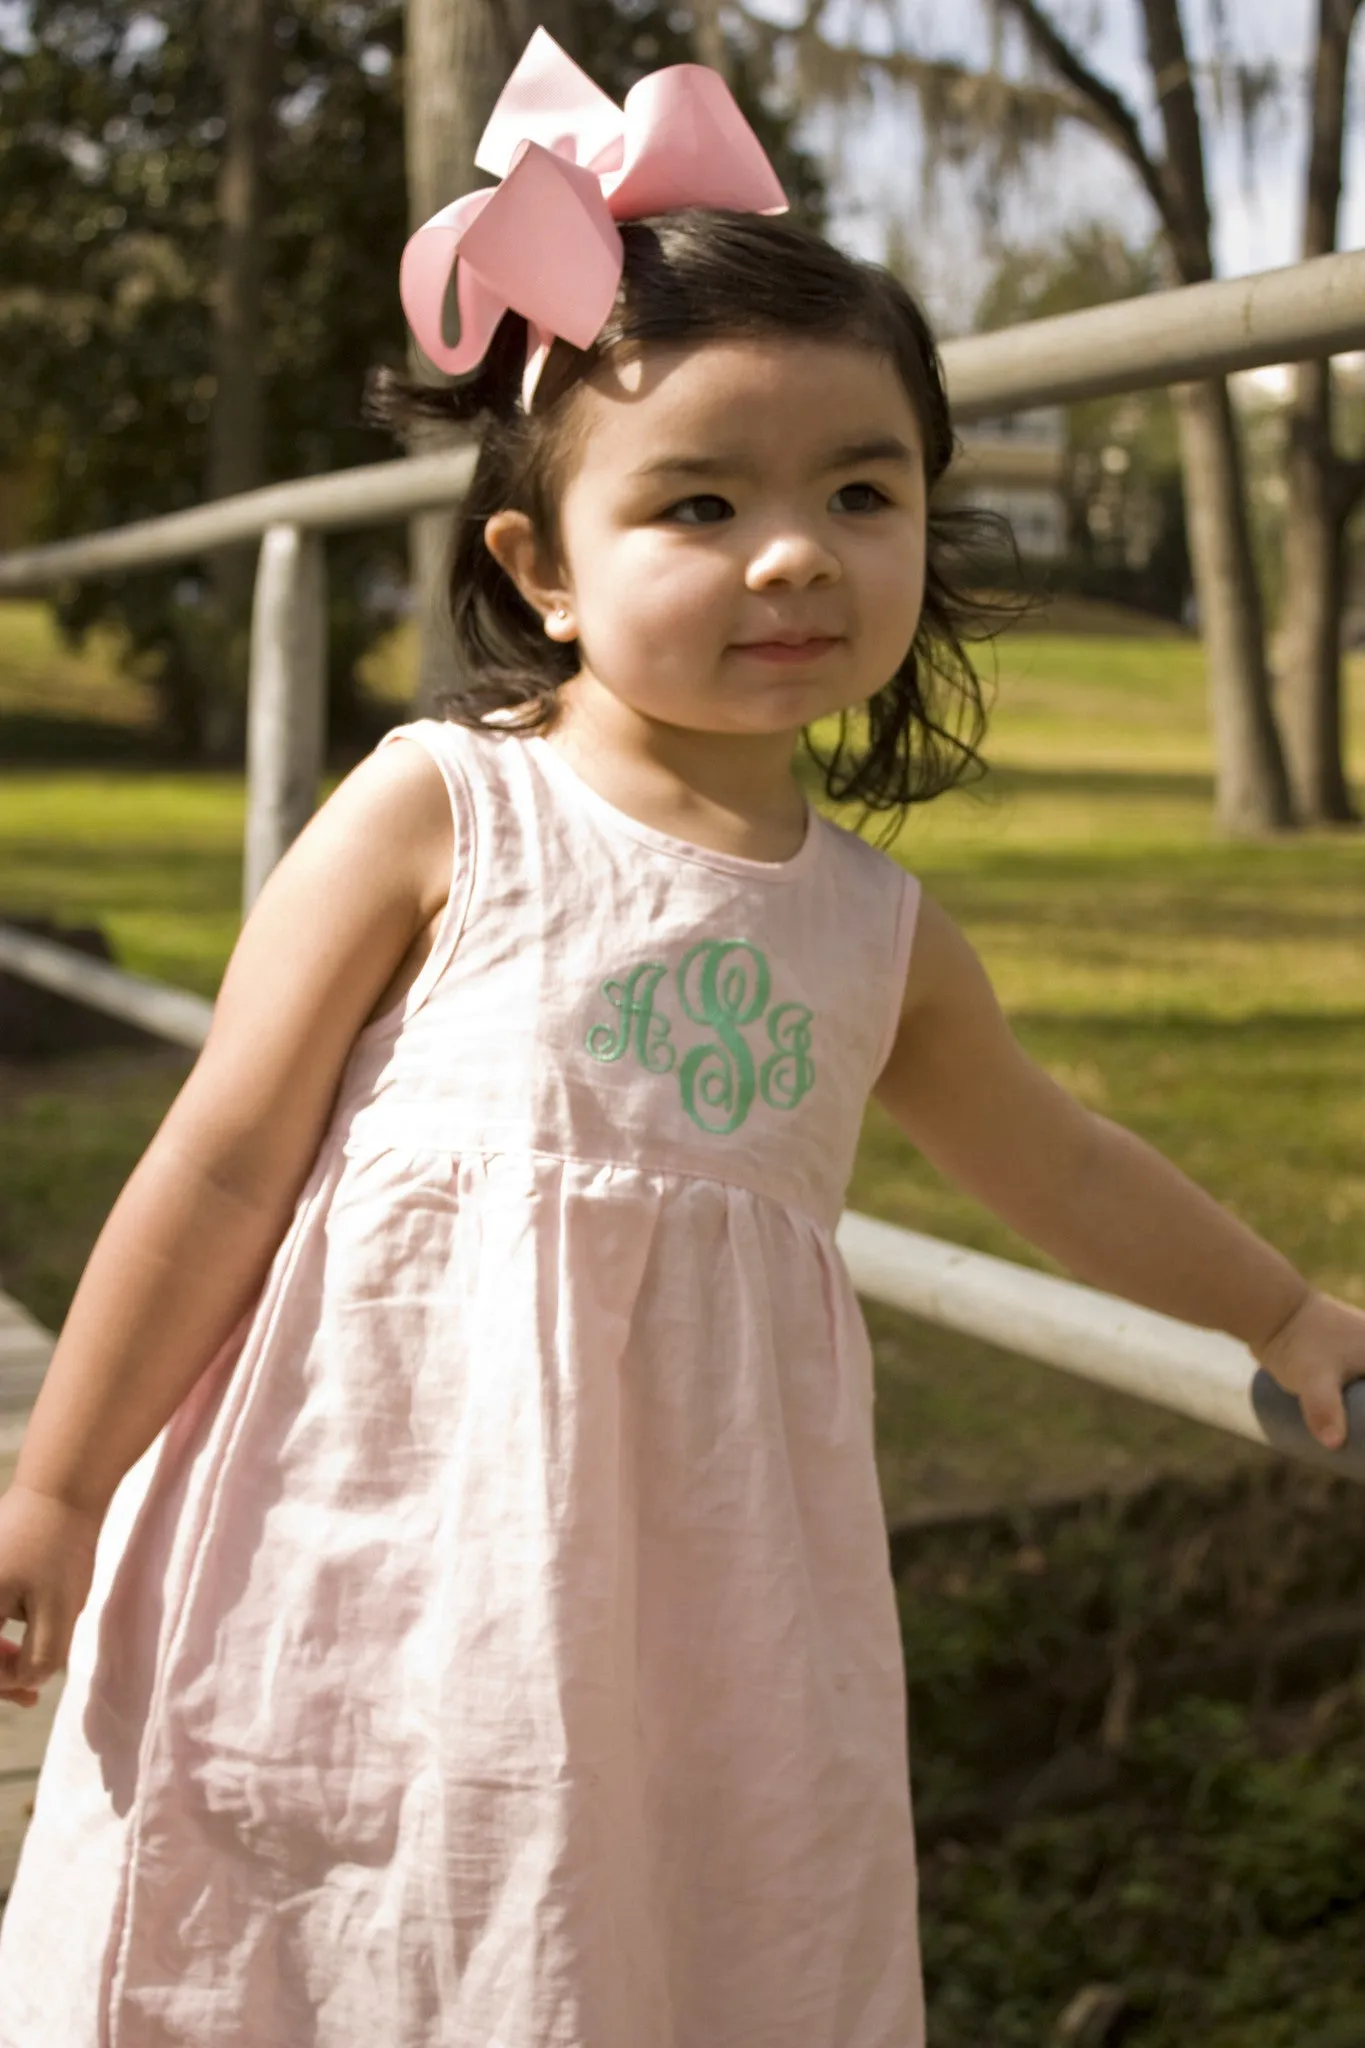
[286,708]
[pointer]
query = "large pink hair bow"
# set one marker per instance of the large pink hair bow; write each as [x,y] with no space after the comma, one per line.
[544,243]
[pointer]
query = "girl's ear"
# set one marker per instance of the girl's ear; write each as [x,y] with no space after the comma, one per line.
[513,543]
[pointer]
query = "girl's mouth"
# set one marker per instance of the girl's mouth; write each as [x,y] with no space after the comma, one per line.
[788,651]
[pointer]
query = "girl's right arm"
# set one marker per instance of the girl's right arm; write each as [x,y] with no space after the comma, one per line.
[336,936]
[1092,1195]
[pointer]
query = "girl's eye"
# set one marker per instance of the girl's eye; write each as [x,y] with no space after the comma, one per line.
[867,497]
[704,510]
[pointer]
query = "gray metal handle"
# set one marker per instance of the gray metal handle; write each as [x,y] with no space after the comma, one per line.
[1281,1417]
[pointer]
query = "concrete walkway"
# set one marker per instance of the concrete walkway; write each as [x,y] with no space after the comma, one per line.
[25,1348]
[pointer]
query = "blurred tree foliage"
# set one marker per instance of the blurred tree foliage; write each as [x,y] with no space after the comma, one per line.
[109,130]
[110,127]
[1126,515]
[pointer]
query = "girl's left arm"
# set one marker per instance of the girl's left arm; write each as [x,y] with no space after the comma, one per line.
[1092,1195]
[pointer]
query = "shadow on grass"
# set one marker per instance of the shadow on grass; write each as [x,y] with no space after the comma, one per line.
[130,878]
[1010,781]
[29,740]
[1162,785]
[1126,897]
[1153,1028]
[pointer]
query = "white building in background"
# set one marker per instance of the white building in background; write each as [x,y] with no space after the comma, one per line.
[1018,466]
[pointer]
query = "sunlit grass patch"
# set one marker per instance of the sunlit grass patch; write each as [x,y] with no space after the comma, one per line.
[154,857]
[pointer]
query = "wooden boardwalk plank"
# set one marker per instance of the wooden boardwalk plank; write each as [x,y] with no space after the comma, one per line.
[25,1347]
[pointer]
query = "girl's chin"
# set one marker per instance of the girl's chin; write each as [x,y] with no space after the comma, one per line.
[767,701]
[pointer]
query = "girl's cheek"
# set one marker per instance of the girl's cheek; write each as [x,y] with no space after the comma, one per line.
[669,578]
[899,579]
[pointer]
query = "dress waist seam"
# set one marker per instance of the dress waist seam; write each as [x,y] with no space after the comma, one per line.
[484,1146]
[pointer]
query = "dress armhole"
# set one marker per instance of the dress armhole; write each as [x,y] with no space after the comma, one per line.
[427,734]
[907,918]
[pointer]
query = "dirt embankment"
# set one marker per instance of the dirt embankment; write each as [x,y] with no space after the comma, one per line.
[1138,1749]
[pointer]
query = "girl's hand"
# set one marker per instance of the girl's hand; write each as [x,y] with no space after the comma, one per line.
[1318,1351]
[47,1559]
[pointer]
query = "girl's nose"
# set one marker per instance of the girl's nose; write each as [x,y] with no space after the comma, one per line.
[792,556]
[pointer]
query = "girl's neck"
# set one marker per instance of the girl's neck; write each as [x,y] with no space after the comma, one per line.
[732,793]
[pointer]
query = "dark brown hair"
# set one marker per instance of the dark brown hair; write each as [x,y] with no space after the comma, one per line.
[702,275]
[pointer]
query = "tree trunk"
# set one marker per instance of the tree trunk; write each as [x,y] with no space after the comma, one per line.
[240,30]
[1252,782]
[1309,641]
[1252,789]
[1317,506]
[458,54]
[708,37]
[1182,175]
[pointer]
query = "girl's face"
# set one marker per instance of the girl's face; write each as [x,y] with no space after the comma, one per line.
[742,535]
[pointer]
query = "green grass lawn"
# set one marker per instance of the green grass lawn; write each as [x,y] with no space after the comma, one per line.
[1209,995]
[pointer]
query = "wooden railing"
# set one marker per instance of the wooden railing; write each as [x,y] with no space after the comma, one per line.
[1308,310]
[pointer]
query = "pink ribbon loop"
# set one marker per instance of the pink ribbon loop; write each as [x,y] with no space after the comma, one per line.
[544,242]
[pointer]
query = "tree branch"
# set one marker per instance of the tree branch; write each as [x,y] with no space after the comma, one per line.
[835,70]
[1104,108]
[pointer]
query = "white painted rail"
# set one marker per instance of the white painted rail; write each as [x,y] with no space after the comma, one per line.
[372,494]
[1199,1373]
[168,1013]
[287,706]
[1201,330]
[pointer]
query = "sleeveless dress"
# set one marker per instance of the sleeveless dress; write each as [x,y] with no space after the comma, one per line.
[498,1647]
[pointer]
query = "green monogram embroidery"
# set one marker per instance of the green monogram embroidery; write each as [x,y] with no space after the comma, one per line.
[728,990]
[724,985]
[788,1073]
[634,999]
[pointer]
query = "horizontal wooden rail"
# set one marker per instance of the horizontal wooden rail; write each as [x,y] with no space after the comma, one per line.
[372,494]
[168,1013]
[1202,330]
[1199,1373]
[1303,310]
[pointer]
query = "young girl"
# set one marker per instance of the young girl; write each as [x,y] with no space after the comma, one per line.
[493,1641]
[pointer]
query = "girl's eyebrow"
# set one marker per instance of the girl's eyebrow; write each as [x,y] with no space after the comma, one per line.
[877,448]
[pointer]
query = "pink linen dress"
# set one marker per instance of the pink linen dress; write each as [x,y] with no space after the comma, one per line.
[498,1648]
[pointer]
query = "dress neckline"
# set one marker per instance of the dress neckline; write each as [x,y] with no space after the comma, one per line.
[557,769]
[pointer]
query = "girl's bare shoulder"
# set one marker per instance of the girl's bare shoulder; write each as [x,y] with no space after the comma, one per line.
[391,819]
[328,934]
